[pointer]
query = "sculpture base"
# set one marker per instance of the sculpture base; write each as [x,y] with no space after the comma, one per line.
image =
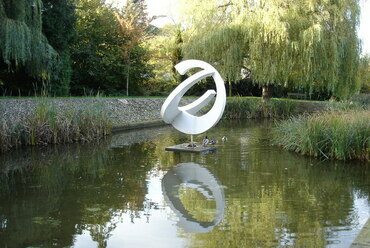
[187,148]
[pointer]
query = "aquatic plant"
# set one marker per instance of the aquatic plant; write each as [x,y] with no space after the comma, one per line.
[50,124]
[331,135]
[254,108]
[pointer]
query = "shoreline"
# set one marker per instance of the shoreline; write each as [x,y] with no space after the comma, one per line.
[43,121]
[123,113]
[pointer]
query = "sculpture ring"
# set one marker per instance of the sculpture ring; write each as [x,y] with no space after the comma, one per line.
[198,177]
[183,118]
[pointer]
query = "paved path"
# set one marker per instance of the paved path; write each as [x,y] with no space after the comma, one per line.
[363,239]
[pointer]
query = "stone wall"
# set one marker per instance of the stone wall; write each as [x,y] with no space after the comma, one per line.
[124,113]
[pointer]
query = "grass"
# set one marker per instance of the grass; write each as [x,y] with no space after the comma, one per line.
[255,108]
[83,97]
[50,126]
[342,135]
[310,135]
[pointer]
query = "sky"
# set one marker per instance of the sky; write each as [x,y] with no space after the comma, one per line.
[364,31]
[167,8]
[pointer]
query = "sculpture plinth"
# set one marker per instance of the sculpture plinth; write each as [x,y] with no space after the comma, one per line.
[194,149]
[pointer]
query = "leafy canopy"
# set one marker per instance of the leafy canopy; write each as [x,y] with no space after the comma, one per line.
[307,44]
[104,49]
[22,42]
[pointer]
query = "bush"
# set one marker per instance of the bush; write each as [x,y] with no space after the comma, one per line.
[48,125]
[331,135]
[254,108]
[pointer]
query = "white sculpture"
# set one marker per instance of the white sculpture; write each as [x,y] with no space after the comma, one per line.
[183,118]
[193,175]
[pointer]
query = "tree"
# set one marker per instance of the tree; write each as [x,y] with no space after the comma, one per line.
[306,44]
[365,73]
[24,50]
[176,53]
[58,21]
[166,51]
[99,61]
[134,23]
[97,66]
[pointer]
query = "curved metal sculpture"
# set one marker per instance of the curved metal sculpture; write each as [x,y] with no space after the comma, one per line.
[195,176]
[183,118]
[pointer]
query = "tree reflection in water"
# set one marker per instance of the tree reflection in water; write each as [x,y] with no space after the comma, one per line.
[51,196]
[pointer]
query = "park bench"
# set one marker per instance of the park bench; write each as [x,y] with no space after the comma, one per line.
[297,95]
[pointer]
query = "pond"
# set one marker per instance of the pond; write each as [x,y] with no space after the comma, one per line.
[127,191]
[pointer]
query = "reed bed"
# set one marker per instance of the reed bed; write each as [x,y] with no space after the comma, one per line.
[242,108]
[330,135]
[49,125]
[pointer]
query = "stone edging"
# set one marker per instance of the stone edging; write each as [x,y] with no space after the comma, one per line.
[124,113]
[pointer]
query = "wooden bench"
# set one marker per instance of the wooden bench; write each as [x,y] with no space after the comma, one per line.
[297,95]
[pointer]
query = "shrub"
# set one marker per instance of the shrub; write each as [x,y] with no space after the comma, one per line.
[334,135]
[49,125]
[253,108]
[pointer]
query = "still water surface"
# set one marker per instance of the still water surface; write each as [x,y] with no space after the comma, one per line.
[127,191]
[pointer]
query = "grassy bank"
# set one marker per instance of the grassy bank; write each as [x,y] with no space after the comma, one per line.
[255,108]
[342,135]
[48,125]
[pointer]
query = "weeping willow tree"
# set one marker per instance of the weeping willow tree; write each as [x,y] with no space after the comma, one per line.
[22,43]
[305,44]
[224,48]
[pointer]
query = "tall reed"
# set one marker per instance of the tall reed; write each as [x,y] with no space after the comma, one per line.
[330,135]
[49,124]
[249,108]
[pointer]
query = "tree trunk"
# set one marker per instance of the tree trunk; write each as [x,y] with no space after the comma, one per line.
[265,93]
[230,89]
[128,72]
[127,79]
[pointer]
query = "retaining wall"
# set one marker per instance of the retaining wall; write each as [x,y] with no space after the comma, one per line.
[124,113]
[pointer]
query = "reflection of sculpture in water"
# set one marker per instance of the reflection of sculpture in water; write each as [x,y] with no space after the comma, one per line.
[193,176]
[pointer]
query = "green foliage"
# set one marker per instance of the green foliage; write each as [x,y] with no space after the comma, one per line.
[176,54]
[224,47]
[254,108]
[34,46]
[97,65]
[365,73]
[334,135]
[58,21]
[165,48]
[305,44]
[51,125]
[362,100]
[101,50]
[21,40]
[346,106]
[134,23]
